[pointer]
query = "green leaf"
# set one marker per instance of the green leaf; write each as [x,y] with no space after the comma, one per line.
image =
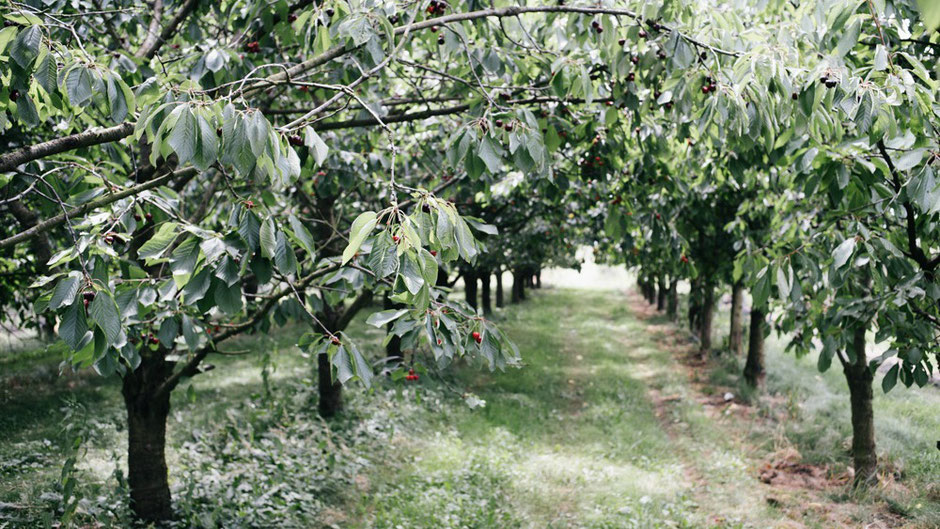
[64,292]
[284,257]
[268,238]
[343,364]
[183,137]
[466,245]
[248,228]
[208,150]
[379,319]
[411,273]
[46,73]
[930,13]
[303,235]
[890,379]
[842,252]
[229,298]
[361,228]
[909,160]
[25,46]
[73,329]
[488,153]
[103,310]
[26,111]
[361,365]
[316,145]
[848,40]
[78,85]
[159,242]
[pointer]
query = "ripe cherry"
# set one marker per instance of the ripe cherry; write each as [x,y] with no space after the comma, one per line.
[684,259]
[291,18]
[249,204]
[434,253]
[631,77]
[14,95]
[295,140]
[136,217]
[334,340]
[148,216]
[440,40]
[794,96]
[395,238]
[635,59]
[153,339]
[498,123]
[218,132]
[440,342]
[321,173]
[329,12]
[643,34]
[622,41]
[476,336]
[109,239]
[705,89]
[175,46]
[433,29]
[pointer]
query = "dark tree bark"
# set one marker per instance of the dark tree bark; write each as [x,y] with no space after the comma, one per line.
[499,288]
[331,392]
[708,315]
[147,412]
[754,366]
[859,377]
[672,300]
[538,278]
[661,294]
[736,336]
[695,306]
[470,287]
[485,299]
[518,288]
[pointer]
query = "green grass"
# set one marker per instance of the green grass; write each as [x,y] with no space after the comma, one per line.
[600,429]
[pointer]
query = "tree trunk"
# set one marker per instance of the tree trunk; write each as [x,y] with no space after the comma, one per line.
[470,287]
[393,347]
[485,299]
[538,278]
[499,288]
[754,366]
[147,412]
[859,377]
[695,306]
[518,288]
[672,300]
[331,392]
[661,294]
[736,336]
[708,315]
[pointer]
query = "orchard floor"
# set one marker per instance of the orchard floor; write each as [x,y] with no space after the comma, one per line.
[610,424]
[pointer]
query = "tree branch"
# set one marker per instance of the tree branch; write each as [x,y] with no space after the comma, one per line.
[50,223]
[914,250]
[11,160]
[149,49]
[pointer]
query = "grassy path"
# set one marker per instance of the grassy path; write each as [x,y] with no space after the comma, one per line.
[607,426]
